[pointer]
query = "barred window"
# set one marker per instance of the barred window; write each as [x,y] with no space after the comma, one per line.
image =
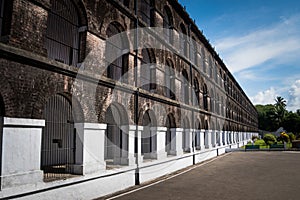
[5,17]
[185,87]
[183,40]
[117,61]
[63,33]
[170,80]
[168,25]
[145,9]
[147,71]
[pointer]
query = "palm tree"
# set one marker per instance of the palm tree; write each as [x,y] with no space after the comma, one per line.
[280,109]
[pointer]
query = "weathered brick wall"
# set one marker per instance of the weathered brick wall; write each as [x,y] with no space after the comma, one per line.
[26,88]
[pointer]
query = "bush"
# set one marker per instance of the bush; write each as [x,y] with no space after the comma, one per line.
[291,136]
[269,139]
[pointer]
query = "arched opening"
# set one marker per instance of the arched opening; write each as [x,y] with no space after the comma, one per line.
[197,134]
[185,87]
[149,133]
[170,80]
[65,33]
[148,70]
[6,7]
[170,123]
[58,139]
[168,25]
[116,140]
[196,92]
[206,127]
[186,135]
[117,61]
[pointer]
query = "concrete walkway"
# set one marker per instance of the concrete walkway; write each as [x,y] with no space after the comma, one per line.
[235,176]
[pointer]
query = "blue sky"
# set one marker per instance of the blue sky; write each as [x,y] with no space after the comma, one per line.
[258,40]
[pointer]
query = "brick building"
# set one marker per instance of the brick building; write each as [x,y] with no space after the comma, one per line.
[97,88]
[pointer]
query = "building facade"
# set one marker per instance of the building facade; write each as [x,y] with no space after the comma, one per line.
[99,95]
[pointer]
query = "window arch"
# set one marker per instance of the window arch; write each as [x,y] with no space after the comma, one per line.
[168,24]
[170,80]
[64,32]
[148,70]
[118,67]
[6,7]
[185,86]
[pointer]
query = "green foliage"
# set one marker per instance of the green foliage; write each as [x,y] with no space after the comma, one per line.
[291,122]
[284,137]
[254,138]
[269,139]
[291,136]
[271,117]
[266,117]
[260,142]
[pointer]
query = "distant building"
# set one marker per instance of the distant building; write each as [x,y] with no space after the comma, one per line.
[133,114]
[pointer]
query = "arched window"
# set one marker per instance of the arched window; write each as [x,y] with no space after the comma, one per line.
[197,92]
[117,61]
[6,7]
[203,56]
[205,96]
[64,32]
[145,11]
[147,71]
[217,104]
[168,25]
[185,87]
[194,56]
[183,41]
[170,80]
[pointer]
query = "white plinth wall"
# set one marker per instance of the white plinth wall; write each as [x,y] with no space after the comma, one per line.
[21,172]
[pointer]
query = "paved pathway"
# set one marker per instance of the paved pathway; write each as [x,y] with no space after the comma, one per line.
[239,175]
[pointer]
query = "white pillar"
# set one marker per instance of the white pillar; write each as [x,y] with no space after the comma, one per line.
[221,138]
[202,132]
[159,142]
[130,159]
[21,152]
[188,140]
[176,141]
[208,139]
[225,137]
[213,138]
[90,148]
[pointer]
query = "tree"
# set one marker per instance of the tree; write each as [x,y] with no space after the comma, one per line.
[266,117]
[280,109]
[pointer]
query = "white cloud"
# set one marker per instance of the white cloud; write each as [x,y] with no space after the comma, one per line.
[265,97]
[271,43]
[294,96]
